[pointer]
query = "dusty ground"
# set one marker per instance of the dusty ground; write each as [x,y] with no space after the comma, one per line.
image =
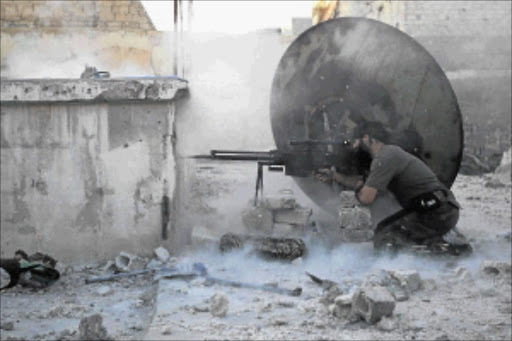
[457,299]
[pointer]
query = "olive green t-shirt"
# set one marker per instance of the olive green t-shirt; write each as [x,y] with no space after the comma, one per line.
[402,174]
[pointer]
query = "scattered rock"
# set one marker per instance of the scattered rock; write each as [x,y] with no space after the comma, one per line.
[219,305]
[4,278]
[91,328]
[7,326]
[387,324]
[342,306]
[104,290]
[154,264]
[124,261]
[285,304]
[410,280]
[372,303]
[109,268]
[162,254]
[462,273]
[66,335]
[330,295]
[297,261]
[278,321]
[166,330]
[54,311]
[492,267]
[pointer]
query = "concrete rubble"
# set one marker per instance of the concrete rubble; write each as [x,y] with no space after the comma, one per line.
[162,254]
[91,328]
[219,305]
[372,302]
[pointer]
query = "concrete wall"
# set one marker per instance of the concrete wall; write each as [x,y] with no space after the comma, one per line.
[63,15]
[84,179]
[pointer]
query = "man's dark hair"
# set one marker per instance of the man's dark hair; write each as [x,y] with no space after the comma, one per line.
[373,129]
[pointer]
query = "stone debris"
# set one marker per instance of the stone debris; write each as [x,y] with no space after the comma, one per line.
[401,284]
[7,326]
[110,268]
[330,295]
[91,328]
[297,261]
[104,290]
[219,305]
[342,306]
[162,254]
[154,264]
[4,278]
[408,279]
[387,324]
[462,273]
[166,330]
[492,267]
[372,302]
[124,262]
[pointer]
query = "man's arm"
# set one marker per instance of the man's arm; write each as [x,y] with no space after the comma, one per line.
[364,194]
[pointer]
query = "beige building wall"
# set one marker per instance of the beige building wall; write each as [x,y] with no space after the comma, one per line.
[56,39]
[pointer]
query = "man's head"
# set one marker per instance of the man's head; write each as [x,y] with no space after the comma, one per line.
[365,133]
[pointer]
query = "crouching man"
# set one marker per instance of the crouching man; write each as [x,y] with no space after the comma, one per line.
[429,210]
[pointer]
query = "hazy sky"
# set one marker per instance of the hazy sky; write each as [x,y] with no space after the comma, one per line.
[230,16]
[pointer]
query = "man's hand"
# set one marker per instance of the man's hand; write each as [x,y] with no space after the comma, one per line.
[325,175]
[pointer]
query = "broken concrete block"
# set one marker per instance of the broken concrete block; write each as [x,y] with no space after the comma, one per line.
[279,202]
[330,295]
[356,218]
[492,267]
[5,278]
[219,305]
[124,262]
[372,303]
[109,268]
[298,216]
[91,328]
[342,306]
[162,254]
[104,290]
[258,220]
[410,280]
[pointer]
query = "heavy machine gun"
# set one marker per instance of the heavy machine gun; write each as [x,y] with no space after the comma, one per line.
[302,160]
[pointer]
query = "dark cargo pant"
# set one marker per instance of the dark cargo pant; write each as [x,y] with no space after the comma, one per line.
[419,227]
